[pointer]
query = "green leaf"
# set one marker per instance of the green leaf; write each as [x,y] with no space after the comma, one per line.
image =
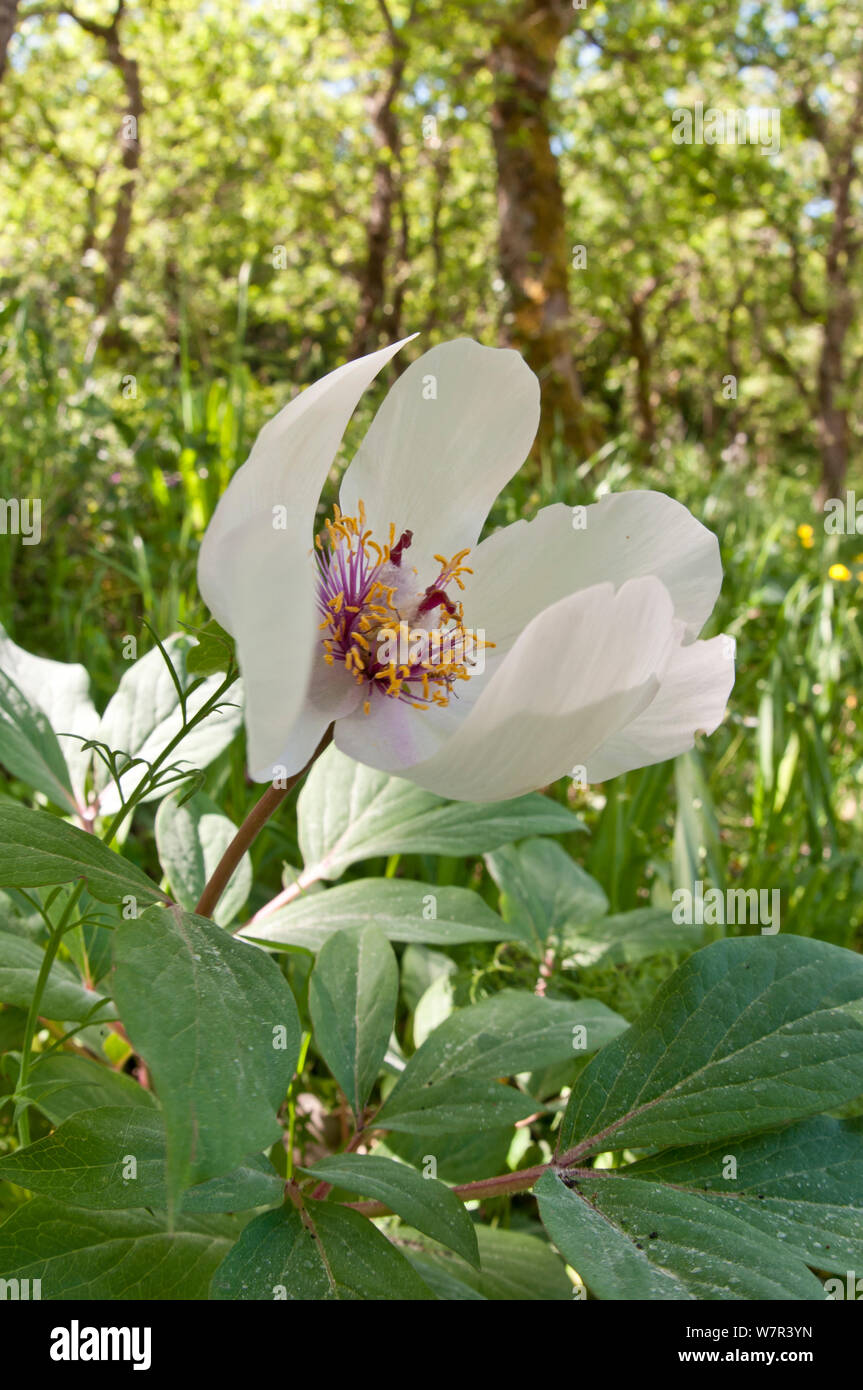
[81,1254]
[144,715]
[543,891]
[64,997]
[514,1267]
[191,840]
[504,1035]
[626,938]
[213,652]
[353,993]
[347,811]
[460,1105]
[38,850]
[86,1162]
[62,1084]
[61,690]
[746,1035]
[217,1026]
[334,1254]
[423,1202]
[402,909]
[29,749]
[803,1185]
[630,1239]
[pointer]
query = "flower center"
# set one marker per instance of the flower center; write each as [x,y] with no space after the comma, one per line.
[401,641]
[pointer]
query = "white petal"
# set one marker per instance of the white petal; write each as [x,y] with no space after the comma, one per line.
[692,698]
[523,568]
[258,580]
[435,466]
[330,694]
[581,670]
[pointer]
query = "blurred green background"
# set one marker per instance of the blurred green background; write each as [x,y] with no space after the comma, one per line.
[206,206]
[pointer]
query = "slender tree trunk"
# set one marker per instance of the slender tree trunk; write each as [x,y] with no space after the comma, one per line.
[371,316]
[534,249]
[8,20]
[832,421]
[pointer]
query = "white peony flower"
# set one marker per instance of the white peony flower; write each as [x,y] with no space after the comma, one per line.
[545,647]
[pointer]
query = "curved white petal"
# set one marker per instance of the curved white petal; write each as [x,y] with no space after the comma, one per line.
[580,671]
[523,568]
[394,734]
[331,694]
[450,434]
[255,572]
[692,697]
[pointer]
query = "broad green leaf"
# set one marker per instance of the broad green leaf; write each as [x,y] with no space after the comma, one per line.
[64,997]
[144,715]
[191,840]
[347,811]
[460,1156]
[460,1105]
[213,651]
[38,850]
[514,1267]
[29,749]
[353,993]
[334,1254]
[217,1025]
[404,911]
[113,1159]
[504,1035]
[111,1256]
[543,891]
[422,1202]
[746,1035]
[631,1239]
[62,1085]
[61,690]
[803,1185]
[627,938]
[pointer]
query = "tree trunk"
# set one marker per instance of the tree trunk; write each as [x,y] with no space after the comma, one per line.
[534,249]
[8,20]
[371,314]
[832,420]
